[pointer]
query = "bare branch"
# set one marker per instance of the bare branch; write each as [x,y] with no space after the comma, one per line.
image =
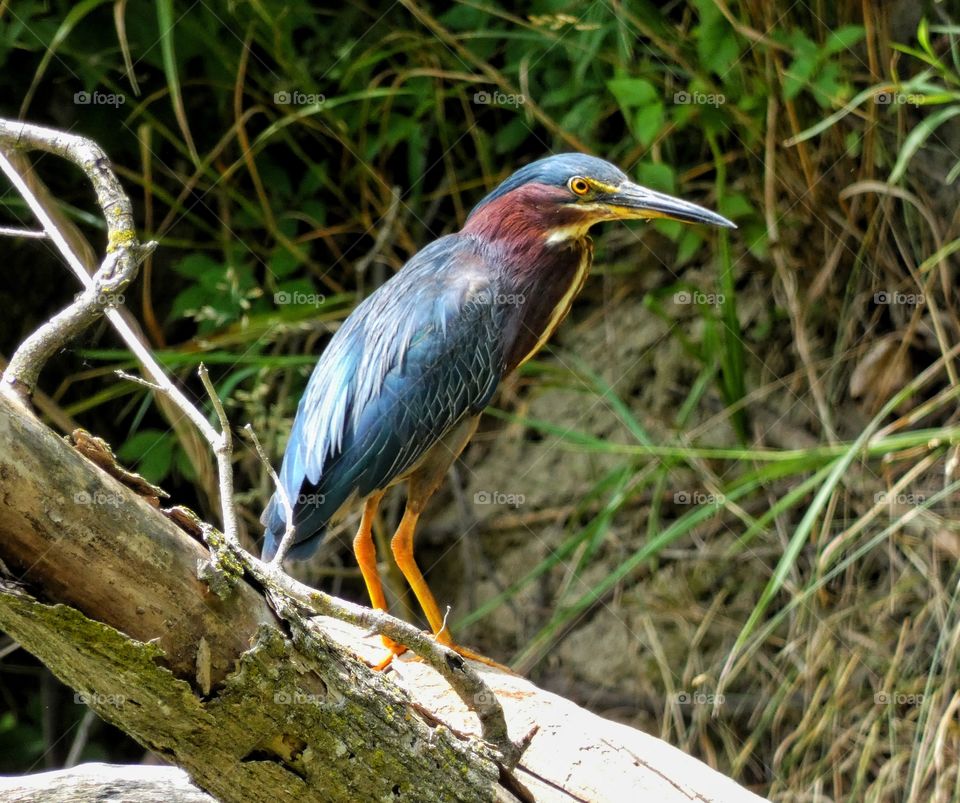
[137,380]
[289,530]
[121,234]
[223,450]
[6,231]
[29,359]
[103,290]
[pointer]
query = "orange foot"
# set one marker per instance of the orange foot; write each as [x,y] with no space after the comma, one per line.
[443,637]
[394,650]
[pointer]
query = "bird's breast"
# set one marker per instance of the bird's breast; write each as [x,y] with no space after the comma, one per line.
[544,300]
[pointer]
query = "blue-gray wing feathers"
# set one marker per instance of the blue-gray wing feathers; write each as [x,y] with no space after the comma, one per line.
[412,361]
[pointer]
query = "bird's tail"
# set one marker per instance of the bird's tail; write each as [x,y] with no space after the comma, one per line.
[275,525]
[309,521]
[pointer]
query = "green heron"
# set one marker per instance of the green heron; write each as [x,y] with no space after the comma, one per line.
[399,390]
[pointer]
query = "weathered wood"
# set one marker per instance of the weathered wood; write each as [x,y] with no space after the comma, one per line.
[283,726]
[89,782]
[285,714]
[72,531]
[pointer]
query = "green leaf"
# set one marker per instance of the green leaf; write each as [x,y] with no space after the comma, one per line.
[647,122]
[510,136]
[583,117]
[282,262]
[797,75]
[632,93]
[184,467]
[199,266]
[717,43]
[657,176]
[150,452]
[671,229]
[843,38]
[690,242]
[923,37]
[188,302]
[757,238]
[735,205]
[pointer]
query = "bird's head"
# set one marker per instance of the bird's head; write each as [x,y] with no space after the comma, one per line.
[562,196]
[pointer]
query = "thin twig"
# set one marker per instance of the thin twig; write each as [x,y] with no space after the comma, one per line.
[6,231]
[23,370]
[137,380]
[222,447]
[287,541]
[386,230]
[81,738]
[464,680]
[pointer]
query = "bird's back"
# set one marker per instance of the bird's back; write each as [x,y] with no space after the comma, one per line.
[413,360]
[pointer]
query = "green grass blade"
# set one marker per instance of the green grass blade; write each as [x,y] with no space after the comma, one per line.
[920,134]
[70,21]
[167,24]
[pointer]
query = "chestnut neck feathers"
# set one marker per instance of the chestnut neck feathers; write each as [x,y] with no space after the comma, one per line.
[540,274]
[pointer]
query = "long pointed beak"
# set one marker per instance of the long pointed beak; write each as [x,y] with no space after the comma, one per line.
[633,201]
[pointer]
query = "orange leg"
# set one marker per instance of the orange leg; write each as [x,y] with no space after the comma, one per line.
[402,547]
[366,555]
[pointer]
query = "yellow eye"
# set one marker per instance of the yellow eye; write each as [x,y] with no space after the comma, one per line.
[578,185]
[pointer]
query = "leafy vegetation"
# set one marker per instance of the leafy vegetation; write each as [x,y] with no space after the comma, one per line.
[772,522]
